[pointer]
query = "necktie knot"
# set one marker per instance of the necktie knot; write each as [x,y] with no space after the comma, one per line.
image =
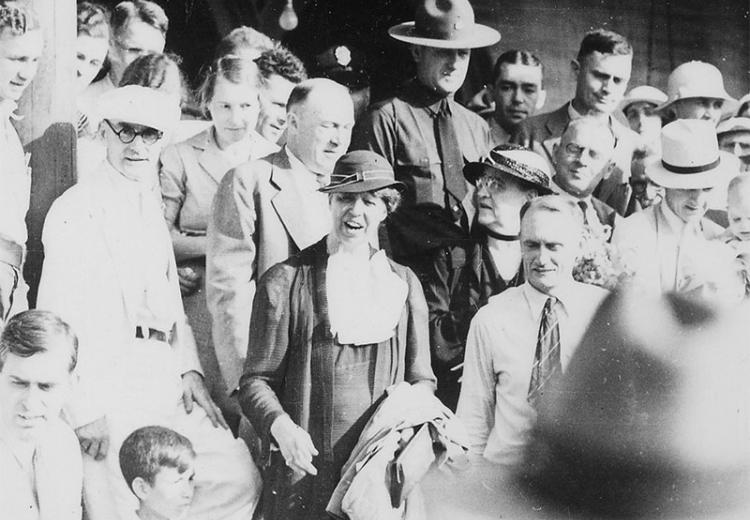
[584,209]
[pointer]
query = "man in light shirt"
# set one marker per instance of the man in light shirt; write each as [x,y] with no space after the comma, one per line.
[582,158]
[266,210]
[504,350]
[21,45]
[39,453]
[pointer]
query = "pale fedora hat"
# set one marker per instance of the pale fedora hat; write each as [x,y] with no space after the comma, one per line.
[690,157]
[643,94]
[697,79]
[651,418]
[445,24]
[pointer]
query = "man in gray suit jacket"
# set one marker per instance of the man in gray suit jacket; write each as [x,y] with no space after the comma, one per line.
[266,210]
[602,69]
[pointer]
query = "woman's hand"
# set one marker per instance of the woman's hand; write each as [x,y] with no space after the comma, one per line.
[296,445]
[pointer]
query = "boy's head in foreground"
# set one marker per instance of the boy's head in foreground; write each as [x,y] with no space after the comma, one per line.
[157,464]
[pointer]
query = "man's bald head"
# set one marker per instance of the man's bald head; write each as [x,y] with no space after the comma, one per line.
[320,117]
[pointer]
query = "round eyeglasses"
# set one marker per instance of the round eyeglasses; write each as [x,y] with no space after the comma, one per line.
[127,134]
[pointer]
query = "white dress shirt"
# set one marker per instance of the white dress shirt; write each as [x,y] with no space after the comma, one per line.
[318,215]
[499,358]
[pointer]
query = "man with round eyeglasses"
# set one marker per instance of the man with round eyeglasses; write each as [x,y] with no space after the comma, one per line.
[110,272]
[582,159]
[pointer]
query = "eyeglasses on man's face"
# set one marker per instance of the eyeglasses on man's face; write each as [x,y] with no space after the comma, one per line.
[127,134]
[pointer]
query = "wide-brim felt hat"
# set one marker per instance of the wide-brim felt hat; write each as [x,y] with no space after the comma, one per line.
[361,171]
[691,158]
[650,419]
[445,24]
[139,105]
[516,161]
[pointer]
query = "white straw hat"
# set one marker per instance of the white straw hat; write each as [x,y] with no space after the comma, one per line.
[690,157]
[643,94]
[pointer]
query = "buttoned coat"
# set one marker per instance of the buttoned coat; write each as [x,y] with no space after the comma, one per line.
[83,280]
[542,132]
[257,221]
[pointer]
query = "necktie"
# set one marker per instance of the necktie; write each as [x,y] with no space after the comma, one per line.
[584,207]
[547,356]
[452,160]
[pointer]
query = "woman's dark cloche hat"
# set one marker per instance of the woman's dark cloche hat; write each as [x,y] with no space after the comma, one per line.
[361,171]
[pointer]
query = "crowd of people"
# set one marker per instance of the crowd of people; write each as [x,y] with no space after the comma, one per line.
[277,300]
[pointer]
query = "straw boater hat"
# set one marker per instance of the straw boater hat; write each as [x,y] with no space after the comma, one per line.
[361,171]
[651,418]
[691,158]
[514,160]
[732,125]
[446,24]
[643,94]
[140,106]
[696,79]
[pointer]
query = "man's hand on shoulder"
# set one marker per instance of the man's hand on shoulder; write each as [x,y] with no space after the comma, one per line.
[194,389]
[94,438]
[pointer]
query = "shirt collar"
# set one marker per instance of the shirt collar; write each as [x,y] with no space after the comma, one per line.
[559,191]
[676,223]
[536,298]
[7,110]
[418,95]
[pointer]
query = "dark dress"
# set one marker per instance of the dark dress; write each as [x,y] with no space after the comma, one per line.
[461,280]
[328,389]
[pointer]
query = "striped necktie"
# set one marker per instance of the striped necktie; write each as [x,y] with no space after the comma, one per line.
[547,356]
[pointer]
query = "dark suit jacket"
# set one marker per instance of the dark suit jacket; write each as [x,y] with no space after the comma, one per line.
[542,132]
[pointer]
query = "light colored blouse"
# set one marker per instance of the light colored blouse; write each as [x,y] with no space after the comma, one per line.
[191,171]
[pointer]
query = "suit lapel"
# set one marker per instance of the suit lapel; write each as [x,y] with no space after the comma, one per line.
[209,156]
[555,126]
[288,202]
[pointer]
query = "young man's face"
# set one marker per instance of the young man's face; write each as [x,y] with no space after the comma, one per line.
[135,39]
[171,493]
[19,60]
[441,70]
[601,81]
[274,94]
[516,92]
[33,390]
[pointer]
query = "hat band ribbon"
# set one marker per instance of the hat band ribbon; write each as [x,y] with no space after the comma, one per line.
[530,174]
[690,169]
[367,175]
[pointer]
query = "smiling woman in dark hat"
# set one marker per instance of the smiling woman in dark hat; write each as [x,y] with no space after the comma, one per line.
[463,277]
[332,327]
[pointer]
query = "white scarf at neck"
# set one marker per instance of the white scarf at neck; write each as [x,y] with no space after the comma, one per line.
[365,297]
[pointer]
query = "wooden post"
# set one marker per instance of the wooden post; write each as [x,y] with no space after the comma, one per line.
[47,129]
